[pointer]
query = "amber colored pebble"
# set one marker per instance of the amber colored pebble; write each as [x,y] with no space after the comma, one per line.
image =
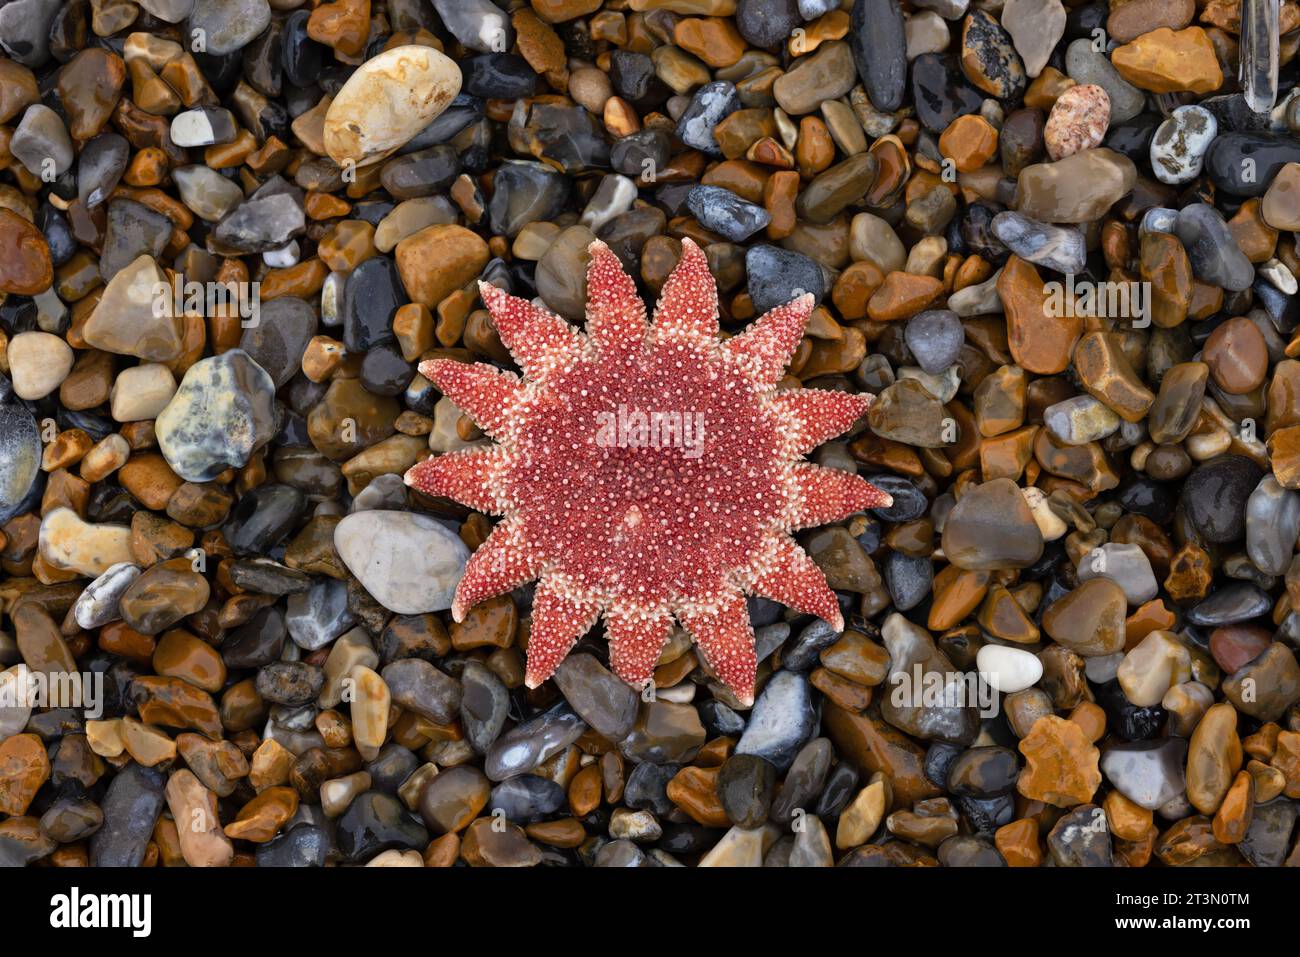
[902,295]
[261,818]
[1146,618]
[957,593]
[695,791]
[1237,355]
[1232,819]
[1039,341]
[1128,821]
[970,141]
[1091,718]
[1017,842]
[584,791]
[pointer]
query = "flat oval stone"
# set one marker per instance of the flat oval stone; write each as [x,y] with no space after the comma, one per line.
[1078,120]
[1090,619]
[1148,773]
[1180,143]
[1232,603]
[1215,495]
[387,101]
[1008,670]
[409,563]
[1077,189]
[229,25]
[1227,164]
[879,47]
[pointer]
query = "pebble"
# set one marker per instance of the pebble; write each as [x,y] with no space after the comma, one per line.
[68,542]
[600,699]
[1061,764]
[1008,670]
[229,25]
[1272,526]
[991,527]
[409,563]
[782,720]
[1215,496]
[221,414]
[126,321]
[38,364]
[1127,566]
[526,746]
[989,58]
[1215,256]
[776,276]
[41,142]
[935,338]
[709,106]
[97,604]
[1078,120]
[1035,26]
[1076,189]
[1086,65]
[1058,248]
[726,213]
[1179,146]
[879,46]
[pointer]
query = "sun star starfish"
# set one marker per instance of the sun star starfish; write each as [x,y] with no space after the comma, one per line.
[645,472]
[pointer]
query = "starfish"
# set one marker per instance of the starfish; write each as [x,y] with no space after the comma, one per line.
[645,472]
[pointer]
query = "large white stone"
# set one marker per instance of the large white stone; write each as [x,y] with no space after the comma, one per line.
[38,363]
[410,563]
[1008,669]
[386,101]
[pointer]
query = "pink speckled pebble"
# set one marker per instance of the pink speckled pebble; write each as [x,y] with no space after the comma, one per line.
[1078,121]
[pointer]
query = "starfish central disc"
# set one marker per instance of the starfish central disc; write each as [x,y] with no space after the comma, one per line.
[646,472]
[647,479]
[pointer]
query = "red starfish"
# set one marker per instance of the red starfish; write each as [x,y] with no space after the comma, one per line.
[646,472]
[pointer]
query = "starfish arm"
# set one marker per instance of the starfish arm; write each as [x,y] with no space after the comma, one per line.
[469,476]
[616,320]
[539,340]
[817,415]
[786,574]
[500,564]
[688,304]
[558,621]
[726,640]
[824,495]
[765,347]
[636,640]
[483,392]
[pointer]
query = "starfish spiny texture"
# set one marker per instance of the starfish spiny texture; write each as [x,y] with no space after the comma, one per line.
[645,472]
